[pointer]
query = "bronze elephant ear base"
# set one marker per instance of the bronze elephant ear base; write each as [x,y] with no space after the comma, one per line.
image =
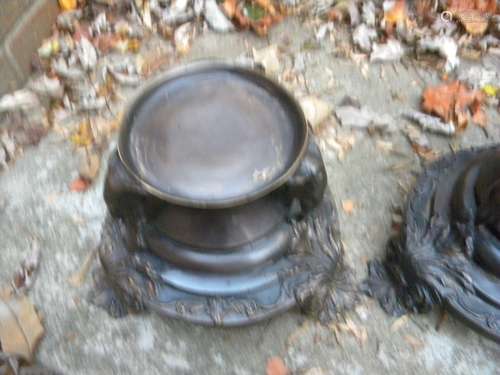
[448,251]
[218,207]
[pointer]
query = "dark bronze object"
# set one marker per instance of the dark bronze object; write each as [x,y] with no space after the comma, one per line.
[449,248]
[219,212]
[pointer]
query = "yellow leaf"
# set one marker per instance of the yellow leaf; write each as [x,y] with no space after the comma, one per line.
[68,4]
[84,136]
[491,90]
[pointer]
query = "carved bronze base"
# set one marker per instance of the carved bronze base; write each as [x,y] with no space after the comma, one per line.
[310,274]
[449,248]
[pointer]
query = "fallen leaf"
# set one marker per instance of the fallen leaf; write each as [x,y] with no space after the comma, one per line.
[229,7]
[276,366]
[343,10]
[359,333]
[183,37]
[396,15]
[315,110]
[421,144]
[425,153]
[424,11]
[68,4]
[399,323]
[20,327]
[83,136]
[258,16]
[453,101]
[348,206]
[491,90]
[267,5]
[79,185]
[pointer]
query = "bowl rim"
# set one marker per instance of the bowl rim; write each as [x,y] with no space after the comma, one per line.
[189,68]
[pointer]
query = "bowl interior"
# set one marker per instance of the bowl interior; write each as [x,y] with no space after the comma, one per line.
[213,136]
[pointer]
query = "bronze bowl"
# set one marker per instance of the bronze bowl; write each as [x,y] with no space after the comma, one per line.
[218,207]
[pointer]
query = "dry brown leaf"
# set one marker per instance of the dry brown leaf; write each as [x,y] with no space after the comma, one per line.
[453,101]
[152,61]
[20,327]
[276,366]
[348,206]
[106,42]
[359,333]
[424,11]
[79,185]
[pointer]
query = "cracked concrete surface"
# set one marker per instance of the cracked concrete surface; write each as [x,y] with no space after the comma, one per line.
[81,339]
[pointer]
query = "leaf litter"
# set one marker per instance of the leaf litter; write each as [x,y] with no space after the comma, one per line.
[88,65]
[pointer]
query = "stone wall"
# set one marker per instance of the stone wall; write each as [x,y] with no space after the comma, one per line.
[23,26]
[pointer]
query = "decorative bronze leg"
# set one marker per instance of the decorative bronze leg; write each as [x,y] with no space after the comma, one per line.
[448,251]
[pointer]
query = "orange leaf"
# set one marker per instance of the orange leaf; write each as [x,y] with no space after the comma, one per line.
[439,100]
[68,4]
[276,366]
[453,102]
[79,185]
[398,14]
[229,7]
